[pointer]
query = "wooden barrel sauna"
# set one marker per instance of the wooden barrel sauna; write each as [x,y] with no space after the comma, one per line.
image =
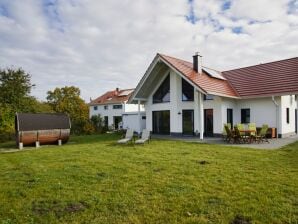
[45,128]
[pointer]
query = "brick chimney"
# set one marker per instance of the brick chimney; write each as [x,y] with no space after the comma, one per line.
[197,62]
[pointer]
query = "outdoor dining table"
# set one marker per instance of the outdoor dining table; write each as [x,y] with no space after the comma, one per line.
[248,133]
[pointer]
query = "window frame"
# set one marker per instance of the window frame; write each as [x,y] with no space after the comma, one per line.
[105,107]
[117,106]
[164,82]
[244,119]
[95,107]
[184,83]
[230,116]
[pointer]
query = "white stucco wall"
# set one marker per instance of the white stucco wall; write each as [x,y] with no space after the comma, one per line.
[288,102]
[227,103]
[132,108]
[262,111]
[216,105]
[130,121]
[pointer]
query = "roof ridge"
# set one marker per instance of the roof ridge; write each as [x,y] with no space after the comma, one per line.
[175,58]
[266,63]
[188,62]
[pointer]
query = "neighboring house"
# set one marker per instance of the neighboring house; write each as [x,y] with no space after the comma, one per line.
[183,98]
[116,112]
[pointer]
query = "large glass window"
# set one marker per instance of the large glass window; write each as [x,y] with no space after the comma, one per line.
[245,116]
[161,122]
[162,94]
[118,106]
[187,91]
[188,122]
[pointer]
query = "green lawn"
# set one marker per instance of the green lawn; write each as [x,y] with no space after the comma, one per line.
[92,180]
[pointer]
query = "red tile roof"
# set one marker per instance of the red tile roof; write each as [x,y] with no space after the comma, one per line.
[112,97]
[204,81]
[274,78]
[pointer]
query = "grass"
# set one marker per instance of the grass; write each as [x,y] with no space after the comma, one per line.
[92,180]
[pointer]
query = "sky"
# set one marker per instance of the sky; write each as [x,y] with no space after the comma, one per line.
[98,45]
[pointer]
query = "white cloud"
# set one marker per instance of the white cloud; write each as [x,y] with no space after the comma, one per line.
[261,10]
[99,45]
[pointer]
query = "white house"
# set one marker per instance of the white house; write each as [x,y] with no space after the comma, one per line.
[183,98]
[116,112]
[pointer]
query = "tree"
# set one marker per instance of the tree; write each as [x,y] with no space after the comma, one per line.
[67,100]
[97,123]
[15,87]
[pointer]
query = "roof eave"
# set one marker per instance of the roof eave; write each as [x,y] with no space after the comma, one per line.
[143,79]
[105,103]
[223,95]
[269,95]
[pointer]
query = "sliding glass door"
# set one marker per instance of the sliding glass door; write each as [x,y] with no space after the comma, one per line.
[161,122]
[187,122]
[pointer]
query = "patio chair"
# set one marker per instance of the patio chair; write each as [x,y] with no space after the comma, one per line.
[224,132]
[240,127]
[238,138]
[242,134]
[128,137]
[252,127]
[261,136]
[145,137]
[230,135]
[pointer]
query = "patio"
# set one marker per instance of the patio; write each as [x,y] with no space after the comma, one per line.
[274,143]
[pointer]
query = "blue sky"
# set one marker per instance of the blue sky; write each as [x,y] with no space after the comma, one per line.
[101,45]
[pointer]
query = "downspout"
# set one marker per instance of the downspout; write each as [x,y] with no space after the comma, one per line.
[277,117]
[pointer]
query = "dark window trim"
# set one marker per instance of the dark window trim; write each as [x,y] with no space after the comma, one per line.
[242,118]
[189,85]
[232,116]
[161,84]
[117,106]
[106,121]
[288,115]
[193,123]
[95,108]
[161,133]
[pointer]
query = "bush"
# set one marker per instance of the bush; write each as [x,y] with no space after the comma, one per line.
[4,137]
[88,128]
[97,123]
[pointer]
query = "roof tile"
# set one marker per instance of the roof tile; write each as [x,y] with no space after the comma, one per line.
[273,78]
[114,96]
[204,81]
